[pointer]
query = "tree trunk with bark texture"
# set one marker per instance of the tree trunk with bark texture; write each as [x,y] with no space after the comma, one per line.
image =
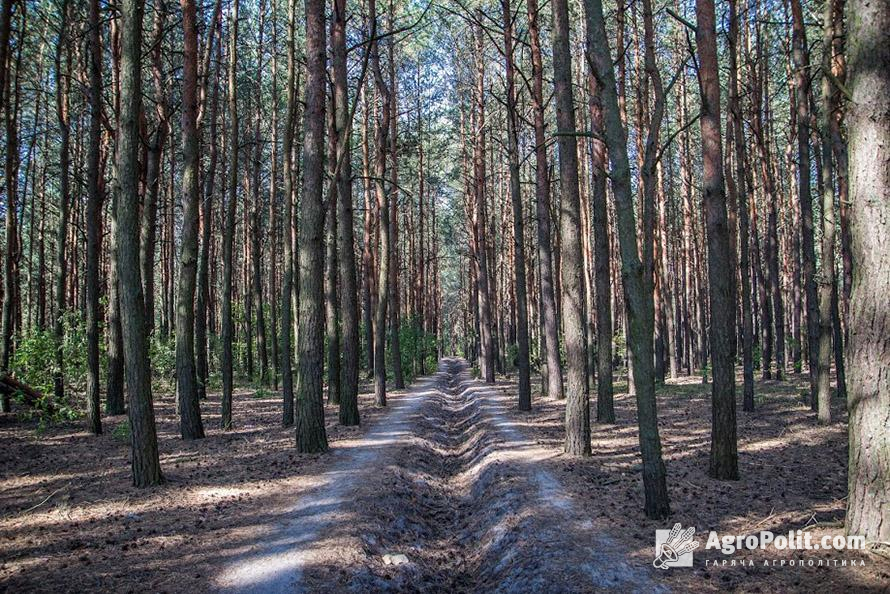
[349,414]
[143,436]
[525,396]
[550,330]
[638,305]
[744,184]
[721,289]
[62,111]
[808,244]
[94,220]
[287,282]
[868,502]
[190,425]
[310,429]
[574,308]
[225,420]
[605,406]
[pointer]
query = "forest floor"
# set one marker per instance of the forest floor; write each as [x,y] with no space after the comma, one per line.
[448,489]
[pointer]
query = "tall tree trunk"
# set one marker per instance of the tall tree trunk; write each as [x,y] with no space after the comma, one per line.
[143,436]
[574,308]
[114,391]
[381,134]
[331,298]
[525,396]
[349,414]
[310,433]
[868,402]
[550,334]
[228,326]
[480,214]
[9,182]
[153,167]
[605,407]
[369,236]
[808,245]
[287,282]
[395,310]
[190,425]
[827,287]
[256,215]
[62,111]
[202,303]
[94,220]
[839,149]
[274,233]
[744,183]
[721,286]
[637,303]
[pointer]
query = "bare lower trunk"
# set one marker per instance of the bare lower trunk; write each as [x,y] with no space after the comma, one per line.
[721,289]
[808,259]
[190,425]
[94,223]
[574,308]
[310,428]
[868,503]
[550,326]
[638,304]
[525,397]
[381,136]
[143,437]
[225,420]
[605,407]
[287,281]
[349,414]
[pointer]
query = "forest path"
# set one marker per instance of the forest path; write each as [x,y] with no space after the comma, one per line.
[449,486]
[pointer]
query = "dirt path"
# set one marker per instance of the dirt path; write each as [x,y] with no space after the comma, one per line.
[447,481]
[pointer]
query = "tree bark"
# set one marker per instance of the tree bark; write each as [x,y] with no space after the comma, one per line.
[381,134]
[256,214]
[154,156]
[605,407]
[202,303]
[349,414]
[550,335]
[868,402]
[637,303]
[9,183]
[287,283]
[143,436]
[62,111]
[721,289]
[190,425]
[827,287]
[525,396]
[395,310]
[574,308]
[228,328]
[94,220]
[744,185]
[808,245]
[310,431]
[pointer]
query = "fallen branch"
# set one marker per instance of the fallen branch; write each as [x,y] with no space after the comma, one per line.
[11,386]
[48,497]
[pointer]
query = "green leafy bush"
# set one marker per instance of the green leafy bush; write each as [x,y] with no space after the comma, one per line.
[162,351]
[34,359]
[121,431]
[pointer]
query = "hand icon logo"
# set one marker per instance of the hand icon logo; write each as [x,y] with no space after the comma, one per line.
[678,543]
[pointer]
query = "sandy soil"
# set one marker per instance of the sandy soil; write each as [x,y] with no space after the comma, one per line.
[474,494]
[793,477]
